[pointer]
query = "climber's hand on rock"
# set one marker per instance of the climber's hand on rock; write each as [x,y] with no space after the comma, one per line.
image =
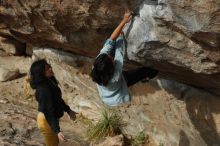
[119,28]
[127,17]
[72,115]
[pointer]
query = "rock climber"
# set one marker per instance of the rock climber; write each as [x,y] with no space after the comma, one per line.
[112,81]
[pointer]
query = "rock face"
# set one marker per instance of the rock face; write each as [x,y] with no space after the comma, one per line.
[11,46]
[6,74]
[79,26]
[171,113]
[180,38]
[8,43]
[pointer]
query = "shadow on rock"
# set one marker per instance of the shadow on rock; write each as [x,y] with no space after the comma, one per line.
[203,110]
[184,141]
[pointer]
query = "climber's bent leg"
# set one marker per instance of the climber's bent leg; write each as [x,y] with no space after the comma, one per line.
[136,75]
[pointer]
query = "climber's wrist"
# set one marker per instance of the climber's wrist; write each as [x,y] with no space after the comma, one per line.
[123,21]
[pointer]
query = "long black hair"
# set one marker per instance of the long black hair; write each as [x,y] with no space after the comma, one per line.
[37,73]
[103,69]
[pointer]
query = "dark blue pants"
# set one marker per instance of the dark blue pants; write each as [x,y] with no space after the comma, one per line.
[139,74]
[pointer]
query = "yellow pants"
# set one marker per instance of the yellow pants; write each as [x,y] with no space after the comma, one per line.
[50,137]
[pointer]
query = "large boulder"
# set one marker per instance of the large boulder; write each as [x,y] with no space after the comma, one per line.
[169,112]
[9,44]
[79,26]
[180,38]
[8,74]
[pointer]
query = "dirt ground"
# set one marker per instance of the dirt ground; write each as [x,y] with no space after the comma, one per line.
[18,112]
[192,119]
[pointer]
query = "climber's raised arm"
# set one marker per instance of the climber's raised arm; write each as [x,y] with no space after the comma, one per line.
[118,30]
[111,80]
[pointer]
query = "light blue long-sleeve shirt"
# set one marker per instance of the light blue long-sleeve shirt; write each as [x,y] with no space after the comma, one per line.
[116,91]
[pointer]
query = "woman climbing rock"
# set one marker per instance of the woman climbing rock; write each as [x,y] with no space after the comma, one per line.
[107,72]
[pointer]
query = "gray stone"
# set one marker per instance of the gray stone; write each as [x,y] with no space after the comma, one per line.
[179,39]
[4,101]
[7,74]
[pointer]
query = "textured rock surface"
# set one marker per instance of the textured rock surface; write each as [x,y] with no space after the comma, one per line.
[8,43]
[113,141]
[7,74]
[193,120]
[156,110]
[18,112]
[76,25]
[11,46]
[180,38]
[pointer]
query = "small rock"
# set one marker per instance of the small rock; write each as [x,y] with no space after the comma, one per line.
[7,74]
[2,53]
[4,101]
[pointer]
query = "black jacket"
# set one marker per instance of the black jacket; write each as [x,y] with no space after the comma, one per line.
[50,102]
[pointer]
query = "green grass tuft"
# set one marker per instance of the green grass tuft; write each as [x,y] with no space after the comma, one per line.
[140,139]
[109,125]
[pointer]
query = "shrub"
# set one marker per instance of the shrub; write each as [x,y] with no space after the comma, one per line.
[140,139]
[109,125]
